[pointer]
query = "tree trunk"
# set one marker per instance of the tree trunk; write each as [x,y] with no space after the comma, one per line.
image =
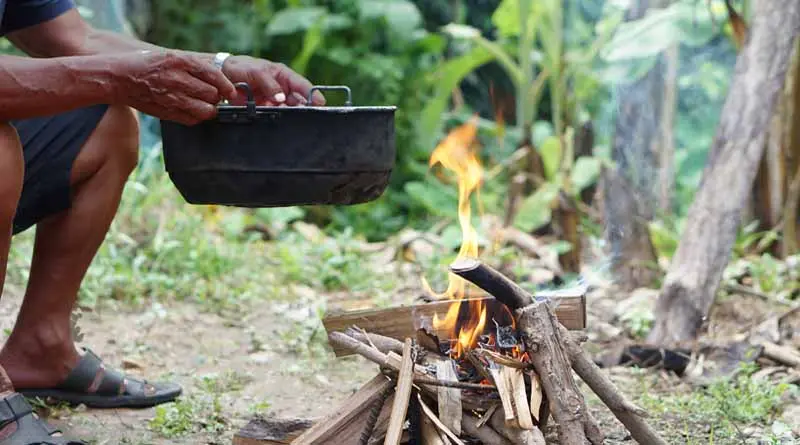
[778,164]
[714,217]
[641,128]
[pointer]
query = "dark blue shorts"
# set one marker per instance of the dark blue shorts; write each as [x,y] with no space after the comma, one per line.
[51,145]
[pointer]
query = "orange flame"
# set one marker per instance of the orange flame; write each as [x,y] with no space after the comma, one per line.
[455,153]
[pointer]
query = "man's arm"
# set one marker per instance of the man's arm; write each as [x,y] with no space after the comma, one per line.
[70,35]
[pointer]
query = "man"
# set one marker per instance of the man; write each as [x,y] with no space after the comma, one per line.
[68,141]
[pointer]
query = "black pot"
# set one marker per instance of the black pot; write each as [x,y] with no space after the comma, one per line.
[254,156]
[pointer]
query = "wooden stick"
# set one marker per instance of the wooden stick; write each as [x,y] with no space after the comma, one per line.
[271,431]
[403,321]
[549,358]
[492,281]
[536,395]
[345,423]
[449,399]
[781,354]
[428,412]
[430,434]
[516,436]
[626,412]
[401,397]
[485,434]
[380,342]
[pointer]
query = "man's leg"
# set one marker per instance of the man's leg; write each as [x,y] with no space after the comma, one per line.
[15,413]
[40,351]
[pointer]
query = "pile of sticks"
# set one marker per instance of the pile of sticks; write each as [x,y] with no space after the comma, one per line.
[417,397]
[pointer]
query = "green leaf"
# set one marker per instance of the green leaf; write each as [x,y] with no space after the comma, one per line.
[402,16]
[657,31]
[551,155]
[434,197]
[540,131]
[584,173]
[293,20]
[536,210]
[506,18]
[446,79]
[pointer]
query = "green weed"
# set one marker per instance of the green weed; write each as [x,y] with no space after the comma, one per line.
[729,406]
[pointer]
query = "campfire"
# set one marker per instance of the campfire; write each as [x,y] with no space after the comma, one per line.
[485,363]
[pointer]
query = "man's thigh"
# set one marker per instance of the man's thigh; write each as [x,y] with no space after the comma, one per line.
[50,146]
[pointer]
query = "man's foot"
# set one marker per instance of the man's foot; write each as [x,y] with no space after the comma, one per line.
[19,425]
[90,382]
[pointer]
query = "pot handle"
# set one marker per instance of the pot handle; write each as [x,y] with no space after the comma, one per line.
[344,88]
[251,101]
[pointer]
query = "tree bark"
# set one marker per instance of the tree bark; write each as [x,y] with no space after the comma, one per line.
[642,127]
[710,231]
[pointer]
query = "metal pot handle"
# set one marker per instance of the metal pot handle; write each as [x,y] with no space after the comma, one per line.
[344,88]
[251,101]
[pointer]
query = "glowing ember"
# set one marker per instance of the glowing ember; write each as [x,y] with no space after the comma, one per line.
[456,154]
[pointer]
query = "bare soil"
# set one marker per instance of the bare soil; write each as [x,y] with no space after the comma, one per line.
[248,355]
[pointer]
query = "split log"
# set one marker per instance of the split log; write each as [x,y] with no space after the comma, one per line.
[346,423]
[271,431]
[400,322]
[514,435]
[449,399]
[510,384]
[543,340]
[711,227]
[402,394]
[487,436]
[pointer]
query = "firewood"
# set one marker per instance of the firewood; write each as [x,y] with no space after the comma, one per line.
[449,399]
[399,322]
[781,354]
[345,423]
[442,427]
[484,433]
[430,434]
[402,395]
[487,415]
[545,343]
[380,342]
[271,431]
[492,281]
[517,436]
[536,395]
[478,364]
[626,412]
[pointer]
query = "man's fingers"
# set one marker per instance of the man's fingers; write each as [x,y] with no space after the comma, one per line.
[268,89]
[290,81]
[198,108]
[194,87]
[209,74]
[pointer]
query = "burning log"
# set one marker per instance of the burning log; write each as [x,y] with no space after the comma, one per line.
[398,323]
[552,351]
[550,360]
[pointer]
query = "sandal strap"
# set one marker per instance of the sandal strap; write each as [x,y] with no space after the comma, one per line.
[14,407]
[83,376]
[112,383]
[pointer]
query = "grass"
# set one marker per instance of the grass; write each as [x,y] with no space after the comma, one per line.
[727,409]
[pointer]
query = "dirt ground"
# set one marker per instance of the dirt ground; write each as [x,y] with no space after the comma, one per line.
[248,359]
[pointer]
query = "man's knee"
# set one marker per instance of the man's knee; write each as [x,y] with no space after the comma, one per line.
[123,125]
[12,170]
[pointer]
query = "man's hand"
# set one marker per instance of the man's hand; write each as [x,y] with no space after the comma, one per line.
[272,83]
[170,85]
